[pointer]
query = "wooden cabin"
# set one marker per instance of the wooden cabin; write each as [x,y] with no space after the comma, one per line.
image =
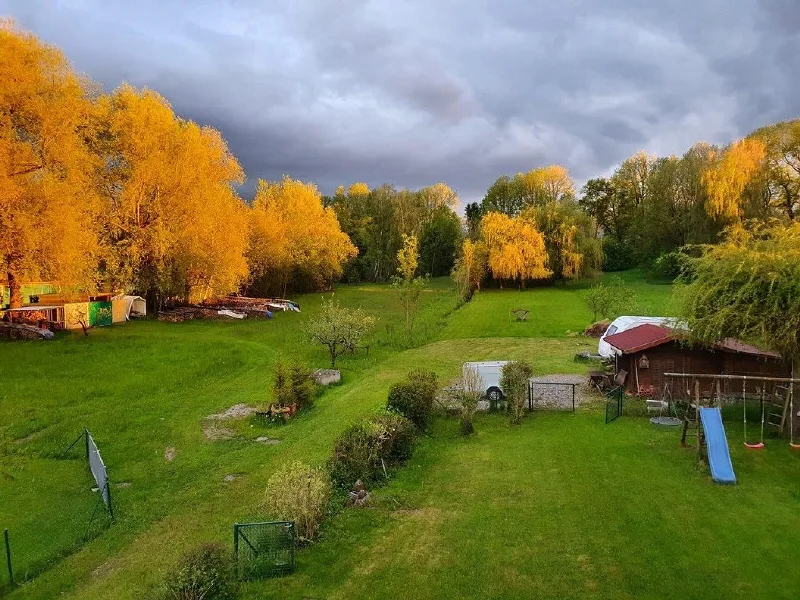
[646,352]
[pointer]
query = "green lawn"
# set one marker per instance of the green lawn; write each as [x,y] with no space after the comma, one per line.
[561,506]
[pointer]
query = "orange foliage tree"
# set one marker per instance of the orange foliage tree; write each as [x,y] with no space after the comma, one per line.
[172,222]
[293,235]
[47,201]
[516,249]
[727,179]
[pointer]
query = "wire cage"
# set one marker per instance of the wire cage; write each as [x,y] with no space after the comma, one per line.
[264,549]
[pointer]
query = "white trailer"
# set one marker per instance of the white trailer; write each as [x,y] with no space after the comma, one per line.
[490,372]
[621,324]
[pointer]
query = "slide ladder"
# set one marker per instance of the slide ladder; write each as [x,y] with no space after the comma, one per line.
[719,457]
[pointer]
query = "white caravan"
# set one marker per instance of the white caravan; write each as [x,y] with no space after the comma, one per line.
[621,324]
[490,372]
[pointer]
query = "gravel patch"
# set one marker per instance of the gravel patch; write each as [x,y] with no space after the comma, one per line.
[558,397]
[237,411]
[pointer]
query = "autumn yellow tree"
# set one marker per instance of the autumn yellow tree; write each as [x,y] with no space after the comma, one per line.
[293,235]
[726,180]
[516,249]
[573,249]
[407,286]
[470,268]
[47,200]
[545,184]
[172,223]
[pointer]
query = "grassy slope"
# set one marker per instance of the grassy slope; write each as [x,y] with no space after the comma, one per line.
[562,506]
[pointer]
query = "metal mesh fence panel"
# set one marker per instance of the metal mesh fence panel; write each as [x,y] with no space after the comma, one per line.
[264,549]
[614,404]
[98,469]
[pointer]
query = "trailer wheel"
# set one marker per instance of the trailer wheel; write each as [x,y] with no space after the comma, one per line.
[494,394]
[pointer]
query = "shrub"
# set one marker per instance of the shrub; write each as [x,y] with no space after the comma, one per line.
[300,493]
[414,397]
[366,448]
[398,435]
[463,395]
[207,572]
[514,382]
[293,384]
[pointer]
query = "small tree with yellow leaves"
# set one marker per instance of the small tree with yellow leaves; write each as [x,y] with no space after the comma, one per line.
[408,286]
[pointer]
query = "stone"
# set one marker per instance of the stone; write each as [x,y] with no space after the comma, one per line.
[326,376]
[267,440]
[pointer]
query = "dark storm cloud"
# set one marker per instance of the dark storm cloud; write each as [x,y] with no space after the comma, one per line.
[462,91]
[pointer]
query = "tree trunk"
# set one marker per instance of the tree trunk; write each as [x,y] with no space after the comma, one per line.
[15,288]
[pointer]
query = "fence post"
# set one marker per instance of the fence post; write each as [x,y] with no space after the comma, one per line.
[236,540]
[8,557]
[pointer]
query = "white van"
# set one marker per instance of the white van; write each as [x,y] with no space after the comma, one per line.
[490,372]
[621,324]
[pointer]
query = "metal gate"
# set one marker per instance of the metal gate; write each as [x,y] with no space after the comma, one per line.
[614,404]
[264,549]
[548,395]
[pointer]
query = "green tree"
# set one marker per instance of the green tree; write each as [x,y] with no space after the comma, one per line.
[748,287]
[439,243]
[338,329]
[472,214]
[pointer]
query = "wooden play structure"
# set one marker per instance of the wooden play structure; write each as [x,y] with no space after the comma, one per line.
[703,415]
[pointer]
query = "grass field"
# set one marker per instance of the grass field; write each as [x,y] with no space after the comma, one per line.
[561,506]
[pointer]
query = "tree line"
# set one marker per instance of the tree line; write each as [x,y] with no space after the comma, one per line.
[116,191]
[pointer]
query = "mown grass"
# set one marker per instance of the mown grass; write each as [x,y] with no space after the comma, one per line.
[562,506]
[554,311]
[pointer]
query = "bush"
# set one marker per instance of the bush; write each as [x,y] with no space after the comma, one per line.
[293,384]
[398,435]
[414,397]
[364,449]
[207,572]
[462,395]
[514,382]
[300,493]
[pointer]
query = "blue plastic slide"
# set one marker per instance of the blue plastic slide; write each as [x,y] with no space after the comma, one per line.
[719,457]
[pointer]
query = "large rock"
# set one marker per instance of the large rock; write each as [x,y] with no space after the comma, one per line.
[326,376]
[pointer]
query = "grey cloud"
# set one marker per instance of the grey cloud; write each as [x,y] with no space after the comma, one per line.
[462,91]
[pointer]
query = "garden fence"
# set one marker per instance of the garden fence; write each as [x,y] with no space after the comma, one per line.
[614,404]
[264,549]
[31,546]
[547,395]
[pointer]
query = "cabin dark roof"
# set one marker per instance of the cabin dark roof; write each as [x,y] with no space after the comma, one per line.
[648,336]
[640,338]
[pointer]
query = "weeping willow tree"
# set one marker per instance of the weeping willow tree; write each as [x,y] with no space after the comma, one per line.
[748,287]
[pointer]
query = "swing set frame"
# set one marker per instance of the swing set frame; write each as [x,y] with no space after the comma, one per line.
[763,380]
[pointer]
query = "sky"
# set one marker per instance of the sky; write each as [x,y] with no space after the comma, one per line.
[462,91]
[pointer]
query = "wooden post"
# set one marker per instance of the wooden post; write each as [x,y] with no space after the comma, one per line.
[8,558]
[697,417]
